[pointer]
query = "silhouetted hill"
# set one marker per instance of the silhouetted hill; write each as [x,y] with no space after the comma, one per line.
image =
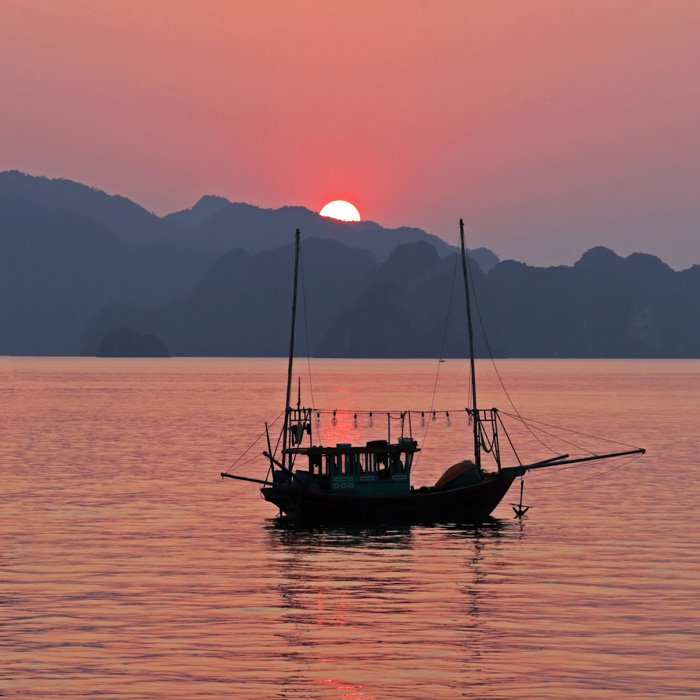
[485,258]
[128,221]
[70,253]
[238,225]
[58,267]
[126,342]
[604,306]
[395,316]
[52,281]
[70,250]
[205,208]
[213,226]
[243,305]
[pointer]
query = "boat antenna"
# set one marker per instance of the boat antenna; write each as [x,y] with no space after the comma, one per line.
[477,453]
[287,408]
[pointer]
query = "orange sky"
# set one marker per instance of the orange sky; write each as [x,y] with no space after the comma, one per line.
[550,126]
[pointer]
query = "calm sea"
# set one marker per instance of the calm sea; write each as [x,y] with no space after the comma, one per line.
[129,569]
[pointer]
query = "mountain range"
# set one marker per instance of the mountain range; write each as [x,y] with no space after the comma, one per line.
[78,265]
[67,250]
[412,305]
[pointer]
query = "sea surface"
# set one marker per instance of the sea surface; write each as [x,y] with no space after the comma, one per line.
[129,569]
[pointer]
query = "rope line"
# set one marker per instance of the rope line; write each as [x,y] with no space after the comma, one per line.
[306,325]
[592,476]
[493,362]
[558,437]
[442,350]
[569,430]
[252,444]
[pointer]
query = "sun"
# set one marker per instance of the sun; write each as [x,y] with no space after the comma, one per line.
[342,210]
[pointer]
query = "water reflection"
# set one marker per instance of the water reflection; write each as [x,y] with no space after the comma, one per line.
[288,533]
[491,527]
[354,600]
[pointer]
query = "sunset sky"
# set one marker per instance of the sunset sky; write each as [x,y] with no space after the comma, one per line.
[550,126]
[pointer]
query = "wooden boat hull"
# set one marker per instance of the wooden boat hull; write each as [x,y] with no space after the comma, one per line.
[470,504]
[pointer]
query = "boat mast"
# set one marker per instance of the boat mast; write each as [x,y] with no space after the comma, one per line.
[287,408]
[477,452]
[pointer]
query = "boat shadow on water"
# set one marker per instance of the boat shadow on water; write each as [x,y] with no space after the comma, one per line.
[345,595]
[289,532]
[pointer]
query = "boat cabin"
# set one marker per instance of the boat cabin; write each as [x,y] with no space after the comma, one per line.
[375,469]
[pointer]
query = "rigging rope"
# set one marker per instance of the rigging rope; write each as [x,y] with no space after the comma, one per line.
[306,326]
[556,437]
[252,444]
[587,478]
[442,349]
[569,430]
[493,362]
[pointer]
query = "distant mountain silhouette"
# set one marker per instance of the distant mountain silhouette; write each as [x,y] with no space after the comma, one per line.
[204,209]
[52,277]
[76,263]
[604,306]
[58,267]
[69,250]
[126,342]
[128,221]
[243,305]
[485,258]
[213,225]
[237,225]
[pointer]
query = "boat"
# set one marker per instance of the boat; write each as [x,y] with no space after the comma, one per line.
[371,482]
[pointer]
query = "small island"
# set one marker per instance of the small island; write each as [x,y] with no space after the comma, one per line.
[126,342]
